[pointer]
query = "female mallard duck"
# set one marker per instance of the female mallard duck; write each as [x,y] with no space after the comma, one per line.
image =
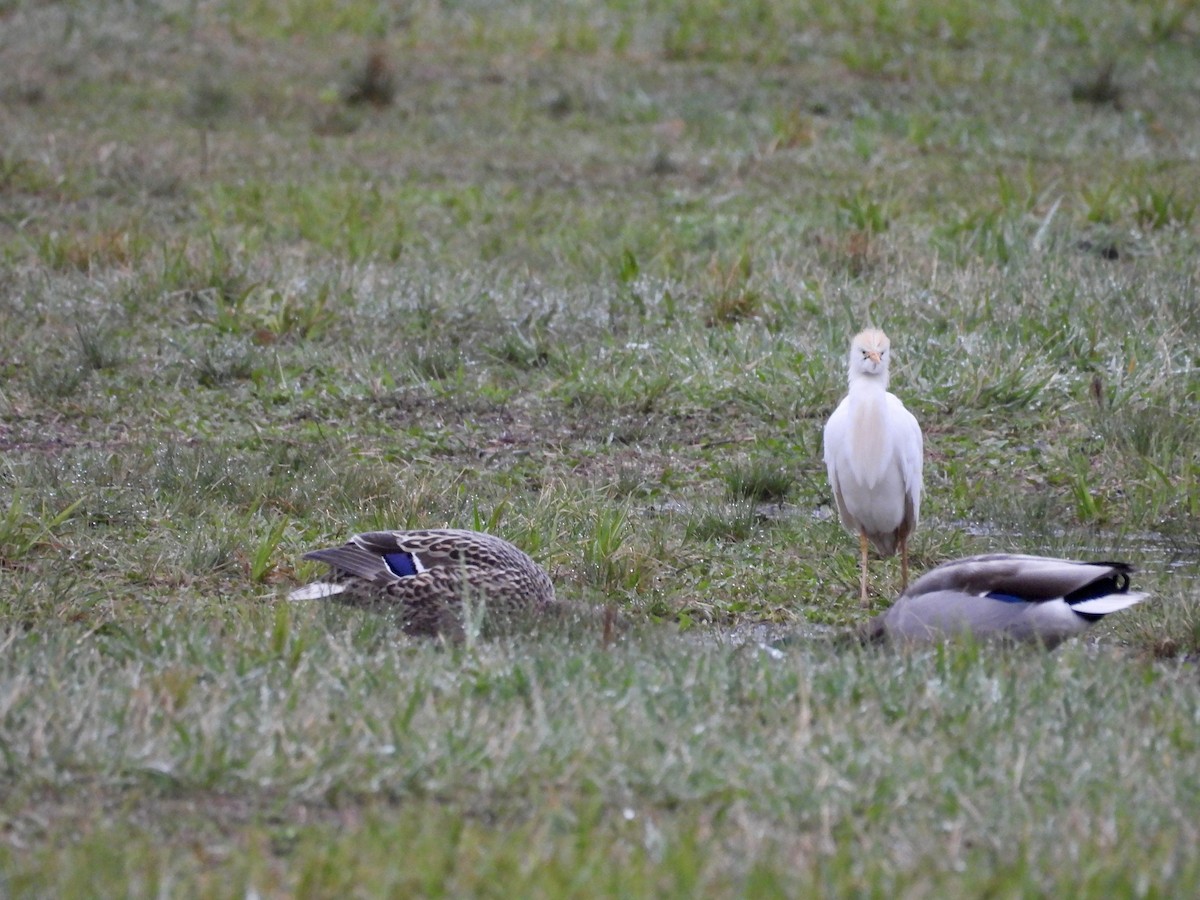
[426,576]
[1024,598]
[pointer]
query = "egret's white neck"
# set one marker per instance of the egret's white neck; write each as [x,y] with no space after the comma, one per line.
[868,381]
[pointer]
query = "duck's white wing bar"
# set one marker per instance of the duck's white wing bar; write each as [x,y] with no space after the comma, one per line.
[1102,606]
[318,590]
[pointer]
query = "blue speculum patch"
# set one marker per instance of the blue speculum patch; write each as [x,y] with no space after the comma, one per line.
[401,564]
[1005,598]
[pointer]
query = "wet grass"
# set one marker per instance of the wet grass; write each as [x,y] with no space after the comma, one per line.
[584,276]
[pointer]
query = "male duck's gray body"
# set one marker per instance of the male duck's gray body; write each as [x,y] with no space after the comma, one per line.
[1023,598]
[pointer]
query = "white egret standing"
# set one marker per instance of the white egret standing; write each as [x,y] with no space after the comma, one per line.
[873,452]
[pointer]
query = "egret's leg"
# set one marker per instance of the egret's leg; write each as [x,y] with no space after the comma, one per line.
[903,563]
[862,544]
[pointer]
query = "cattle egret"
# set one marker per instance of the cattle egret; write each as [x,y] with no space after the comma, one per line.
[873,453]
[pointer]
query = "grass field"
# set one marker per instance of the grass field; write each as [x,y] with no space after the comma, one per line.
[584,275]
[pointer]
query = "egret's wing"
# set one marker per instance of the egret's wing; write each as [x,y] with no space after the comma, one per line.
[909,446]
[835,437]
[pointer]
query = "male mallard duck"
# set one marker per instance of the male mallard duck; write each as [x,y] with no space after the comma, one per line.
[873,453]
[425,576]
[1024,598]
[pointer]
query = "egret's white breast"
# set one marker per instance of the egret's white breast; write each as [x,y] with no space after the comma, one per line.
[869,441]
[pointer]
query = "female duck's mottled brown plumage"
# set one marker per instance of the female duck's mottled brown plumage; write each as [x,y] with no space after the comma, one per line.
[426,577]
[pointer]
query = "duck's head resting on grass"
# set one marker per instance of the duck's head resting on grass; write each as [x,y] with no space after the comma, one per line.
[426,577]
[1020,598]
